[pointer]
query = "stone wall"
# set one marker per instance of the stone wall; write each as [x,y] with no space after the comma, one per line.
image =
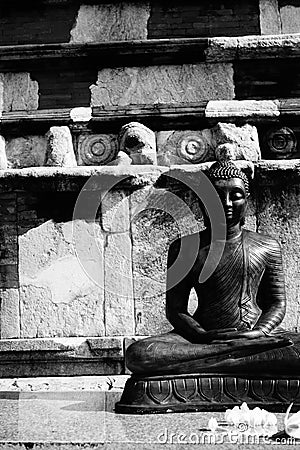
[205,18]
[84,248]
[105,21]
[73,21]
[93,262]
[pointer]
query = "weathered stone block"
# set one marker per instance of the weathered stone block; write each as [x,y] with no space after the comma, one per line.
[60,150]
[115,211]
[111,22]
[221,49]
[40,247]
[29,151]
[18,92]
[290,19]
[245,140]
[81,114]
[118,285]
[96,149]
[162,84]
[61,271]
[80,313]
[248,109]
[183,147]
[10,313]
[278,216]
[269,17]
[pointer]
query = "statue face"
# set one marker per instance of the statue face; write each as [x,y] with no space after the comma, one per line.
[233,195]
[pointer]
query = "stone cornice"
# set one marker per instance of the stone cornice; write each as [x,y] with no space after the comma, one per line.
[154,51]
[97,178]
[159,116]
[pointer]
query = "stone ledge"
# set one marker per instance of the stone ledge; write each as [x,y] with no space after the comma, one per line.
[253,47]
[61,356]
[102,347]
[74,179]
[113,383]
[111,54]
[155,51]
[98,178]
[158,116]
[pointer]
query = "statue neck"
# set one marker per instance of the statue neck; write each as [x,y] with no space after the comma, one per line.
[233,231]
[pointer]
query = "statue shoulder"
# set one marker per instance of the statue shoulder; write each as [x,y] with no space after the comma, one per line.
[261,237]
[263,242]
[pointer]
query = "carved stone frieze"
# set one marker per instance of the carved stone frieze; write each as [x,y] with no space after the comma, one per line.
[139,142]
[281,142]
[183,147]
[96,149]
[192,147]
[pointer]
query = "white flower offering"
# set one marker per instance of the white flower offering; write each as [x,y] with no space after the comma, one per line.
[292,424]
[252,418]
[212,424]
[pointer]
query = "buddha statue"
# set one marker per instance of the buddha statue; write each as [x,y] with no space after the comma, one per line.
[236,327]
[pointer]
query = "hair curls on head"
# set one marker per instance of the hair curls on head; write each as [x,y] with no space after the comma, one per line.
[224,170]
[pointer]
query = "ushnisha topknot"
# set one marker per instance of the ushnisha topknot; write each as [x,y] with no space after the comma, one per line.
[223,170]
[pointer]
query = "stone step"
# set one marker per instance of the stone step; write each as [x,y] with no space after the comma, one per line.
[86,420]
[101,383]
[61,356]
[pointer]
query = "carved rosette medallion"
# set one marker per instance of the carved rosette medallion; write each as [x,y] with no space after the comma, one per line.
[193,148]
[97,149]
[282,142]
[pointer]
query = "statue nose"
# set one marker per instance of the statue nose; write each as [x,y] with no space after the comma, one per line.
[228,201]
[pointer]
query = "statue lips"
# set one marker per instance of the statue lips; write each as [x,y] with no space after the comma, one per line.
[228,214]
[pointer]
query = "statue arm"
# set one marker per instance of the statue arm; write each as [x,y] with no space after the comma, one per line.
[271,294]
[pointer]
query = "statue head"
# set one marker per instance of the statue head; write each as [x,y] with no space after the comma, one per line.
[232,186]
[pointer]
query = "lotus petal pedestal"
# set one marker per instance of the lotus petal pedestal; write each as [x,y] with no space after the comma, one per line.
[217,392]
